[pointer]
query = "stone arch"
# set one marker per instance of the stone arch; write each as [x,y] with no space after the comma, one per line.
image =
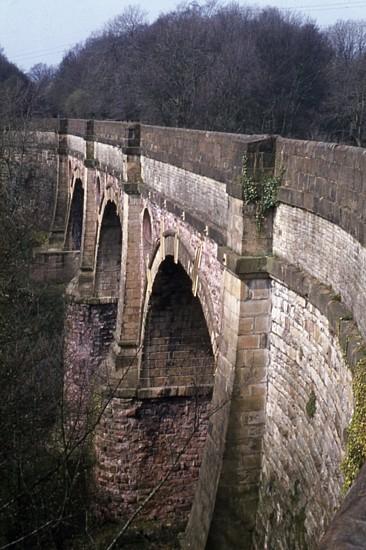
[75,175]
[147,234]
[75,219]
[178,344]
[97,190]
[109,253]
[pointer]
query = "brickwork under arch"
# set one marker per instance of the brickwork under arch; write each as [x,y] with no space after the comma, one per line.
[177,348]
[76,215]
[108,265]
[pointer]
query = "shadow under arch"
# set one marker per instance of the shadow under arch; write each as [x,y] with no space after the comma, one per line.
[109,254]
[178,334]
[75,220]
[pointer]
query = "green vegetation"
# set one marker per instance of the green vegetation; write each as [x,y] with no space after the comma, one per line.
[311,405]
[285,76]
[43,489]
[356,444]
[261,192]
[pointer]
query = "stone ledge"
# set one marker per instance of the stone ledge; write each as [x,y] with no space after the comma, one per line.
[160,392]
[92,300]
[243,266]
[327,302]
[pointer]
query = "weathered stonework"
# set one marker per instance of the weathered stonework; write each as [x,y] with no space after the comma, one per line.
[182,276]
[88,335]
[138,444]
[210,269]
[308,410]
[237,496]
[177,348]
[325,251]
[186,189]
[326,179]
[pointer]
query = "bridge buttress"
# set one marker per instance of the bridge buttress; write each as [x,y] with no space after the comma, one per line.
[224,511]
[88,246]
[127,335]
[58,228]
[237,497]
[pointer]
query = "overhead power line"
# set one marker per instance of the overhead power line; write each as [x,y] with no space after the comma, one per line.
[43,51]
[36,54]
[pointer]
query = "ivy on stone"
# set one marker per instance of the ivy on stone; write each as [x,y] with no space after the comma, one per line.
[356,444]
[262,193]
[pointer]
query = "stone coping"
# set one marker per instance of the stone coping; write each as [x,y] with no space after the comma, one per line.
[54,252]
[91,300]
[160,392]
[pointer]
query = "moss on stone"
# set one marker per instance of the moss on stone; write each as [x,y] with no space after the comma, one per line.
[356,445]
[311,405]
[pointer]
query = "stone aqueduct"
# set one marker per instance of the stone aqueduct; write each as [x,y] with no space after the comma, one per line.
[214,337]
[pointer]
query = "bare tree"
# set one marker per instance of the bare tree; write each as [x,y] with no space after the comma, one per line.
[345,116]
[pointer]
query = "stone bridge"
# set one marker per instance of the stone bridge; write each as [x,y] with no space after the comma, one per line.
[225,353]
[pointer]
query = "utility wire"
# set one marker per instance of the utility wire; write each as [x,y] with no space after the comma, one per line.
[59,49]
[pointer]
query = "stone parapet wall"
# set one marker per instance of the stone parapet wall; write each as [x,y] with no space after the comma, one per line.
[201,196]
[326,252]
[74,126]
[216,155]
[44,124]
[326,179]
[120,134]
[309,408]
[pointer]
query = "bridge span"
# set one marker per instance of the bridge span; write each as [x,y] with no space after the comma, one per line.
[224,349]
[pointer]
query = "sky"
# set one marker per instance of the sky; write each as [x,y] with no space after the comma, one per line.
[41,31]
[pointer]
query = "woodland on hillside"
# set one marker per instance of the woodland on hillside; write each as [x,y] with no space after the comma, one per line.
[214,67]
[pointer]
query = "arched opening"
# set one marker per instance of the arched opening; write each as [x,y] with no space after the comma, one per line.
[108,267]
[166,427]
[177,348]
[98,188]
[146,227]
[75,225]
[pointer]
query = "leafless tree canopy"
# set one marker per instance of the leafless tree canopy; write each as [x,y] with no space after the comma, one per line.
[213,66]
